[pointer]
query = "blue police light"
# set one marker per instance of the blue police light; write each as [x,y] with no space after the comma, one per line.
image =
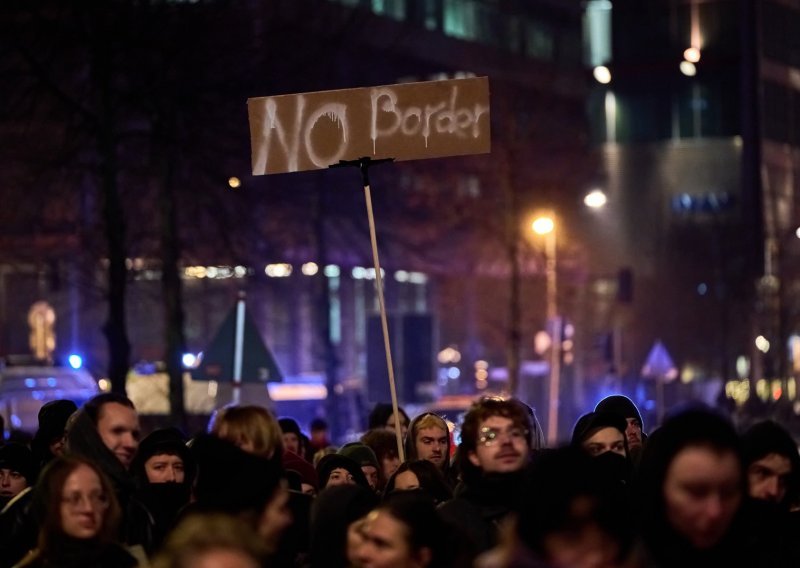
[75,361]
[189,359]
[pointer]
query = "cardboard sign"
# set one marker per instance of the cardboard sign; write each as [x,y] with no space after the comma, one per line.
[307,131]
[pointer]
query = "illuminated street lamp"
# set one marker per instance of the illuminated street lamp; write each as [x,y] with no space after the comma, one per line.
[546,226]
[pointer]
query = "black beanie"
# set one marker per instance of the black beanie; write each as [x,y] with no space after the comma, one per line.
[290,426]
[620,405]
[53,418]
[590,423]
[769,437]
[19,458]
[170,441]
[335,461]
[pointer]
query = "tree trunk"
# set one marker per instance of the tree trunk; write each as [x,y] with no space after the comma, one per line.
[172,290]
[115,328]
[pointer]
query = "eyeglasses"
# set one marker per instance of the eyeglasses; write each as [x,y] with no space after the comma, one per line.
[489,436]
[96,500]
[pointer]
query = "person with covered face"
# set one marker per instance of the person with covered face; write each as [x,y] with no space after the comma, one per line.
[498,438]
[772,466]
[691,486]
[164,472]
[625,408]
[601,435]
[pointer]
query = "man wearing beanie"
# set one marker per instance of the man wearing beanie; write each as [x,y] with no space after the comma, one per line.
[292,436]
[772,462]
[48,442]
[623,406]
[363,455]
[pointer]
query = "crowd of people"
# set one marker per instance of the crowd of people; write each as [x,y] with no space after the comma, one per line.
[256,490]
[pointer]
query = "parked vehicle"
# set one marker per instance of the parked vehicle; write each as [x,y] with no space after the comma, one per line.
[24,389]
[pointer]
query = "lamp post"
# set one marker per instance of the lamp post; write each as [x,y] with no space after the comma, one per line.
[546,226]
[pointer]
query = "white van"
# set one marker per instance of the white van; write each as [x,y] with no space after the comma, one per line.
[23,391]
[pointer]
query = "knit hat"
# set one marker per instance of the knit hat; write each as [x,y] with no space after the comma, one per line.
[620,405]
[305,471]
[53,418]
[768,437]
[169,441]
[18,457]
[588,424]
[289,426]
[335,461]
[360,453]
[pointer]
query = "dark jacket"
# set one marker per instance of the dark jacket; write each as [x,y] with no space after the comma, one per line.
[19,529]
[479,507]
[76,554]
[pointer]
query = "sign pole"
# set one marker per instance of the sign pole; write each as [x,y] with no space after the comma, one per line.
[238,350]
[364,164]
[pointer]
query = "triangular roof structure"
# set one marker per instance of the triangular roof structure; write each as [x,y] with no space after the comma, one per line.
[659,363]
[217,363]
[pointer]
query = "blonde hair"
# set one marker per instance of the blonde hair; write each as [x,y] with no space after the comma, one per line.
[249,425]
[199,534]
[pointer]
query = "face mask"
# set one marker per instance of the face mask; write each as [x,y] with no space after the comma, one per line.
[613,466]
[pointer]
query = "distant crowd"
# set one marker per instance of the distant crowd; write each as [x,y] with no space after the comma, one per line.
[258,490]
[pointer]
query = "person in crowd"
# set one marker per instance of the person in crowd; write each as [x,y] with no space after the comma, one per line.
[567,517]
[404,531]
[624,407]
[319,439]
[772,462]
[384,444]
[292,435]
[691,485]
[382,416]
[428,438]
[18,527]
[600,432]
[106,431]
[80,515]
[211,540]
[336,516]
[301,474]
[164,473]
[366,458]
[771,466]
[602,436]
[48,442]
[336,469]
[17,471]
[497,442]
[244,484]
[252,428]
[422,475]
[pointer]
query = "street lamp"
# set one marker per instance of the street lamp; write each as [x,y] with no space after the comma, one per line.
[546,226]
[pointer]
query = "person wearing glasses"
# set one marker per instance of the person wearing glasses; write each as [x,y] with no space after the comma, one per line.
[80,518]
[498,438]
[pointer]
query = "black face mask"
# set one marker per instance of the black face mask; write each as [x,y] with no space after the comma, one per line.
[613,467]
[4,501]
